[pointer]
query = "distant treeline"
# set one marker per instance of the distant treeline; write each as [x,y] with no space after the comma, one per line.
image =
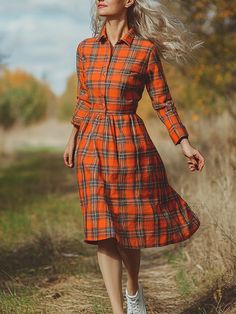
[204,86]
[23,98]
[211,79]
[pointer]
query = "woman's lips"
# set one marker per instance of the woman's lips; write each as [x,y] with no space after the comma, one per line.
[102,6]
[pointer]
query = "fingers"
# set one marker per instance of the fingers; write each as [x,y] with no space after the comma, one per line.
[201,162]
[192,165]
[196,161]
[65,158]
[68,159]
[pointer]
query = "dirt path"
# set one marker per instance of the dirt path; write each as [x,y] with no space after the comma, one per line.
[49,133]
[87,293]
[64,285]
[54,134]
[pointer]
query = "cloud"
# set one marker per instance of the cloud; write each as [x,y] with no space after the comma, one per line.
[41,36]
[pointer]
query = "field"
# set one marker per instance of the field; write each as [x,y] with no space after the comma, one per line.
[46,268]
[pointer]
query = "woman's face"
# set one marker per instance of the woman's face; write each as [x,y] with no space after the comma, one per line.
[113,7]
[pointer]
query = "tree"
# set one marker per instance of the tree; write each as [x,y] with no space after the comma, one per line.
[23,98]
[215,22]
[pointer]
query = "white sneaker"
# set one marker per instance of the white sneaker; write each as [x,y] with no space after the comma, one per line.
[136,303]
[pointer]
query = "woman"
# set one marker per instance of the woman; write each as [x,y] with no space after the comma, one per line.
[125,196]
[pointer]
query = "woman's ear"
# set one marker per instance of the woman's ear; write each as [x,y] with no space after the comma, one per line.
[129,3]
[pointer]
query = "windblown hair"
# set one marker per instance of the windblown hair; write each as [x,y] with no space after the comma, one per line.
[152,20]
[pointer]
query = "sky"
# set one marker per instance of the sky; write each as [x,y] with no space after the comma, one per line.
[41,36]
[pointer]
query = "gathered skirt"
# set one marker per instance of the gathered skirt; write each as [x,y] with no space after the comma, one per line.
[123,187]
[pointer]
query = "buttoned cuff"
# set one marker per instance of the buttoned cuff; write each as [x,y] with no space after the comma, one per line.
[75,123]
[177,133]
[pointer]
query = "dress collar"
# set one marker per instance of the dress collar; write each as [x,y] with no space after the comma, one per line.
[128,37]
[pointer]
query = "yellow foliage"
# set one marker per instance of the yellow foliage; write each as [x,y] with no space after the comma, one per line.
[195,117]
[23,98]
[16,78]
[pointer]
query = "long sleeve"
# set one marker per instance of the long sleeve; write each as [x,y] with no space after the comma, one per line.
[81,94]
[162,101]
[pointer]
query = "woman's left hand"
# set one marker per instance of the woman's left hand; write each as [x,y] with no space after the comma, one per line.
[195,159]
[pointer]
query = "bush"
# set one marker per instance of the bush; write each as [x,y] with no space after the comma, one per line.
[23,99]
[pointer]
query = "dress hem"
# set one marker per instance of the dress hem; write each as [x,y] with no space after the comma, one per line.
[143,246]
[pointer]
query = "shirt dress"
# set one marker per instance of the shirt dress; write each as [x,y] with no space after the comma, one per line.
[123,186]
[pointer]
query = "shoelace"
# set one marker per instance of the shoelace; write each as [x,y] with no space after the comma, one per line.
[135,306]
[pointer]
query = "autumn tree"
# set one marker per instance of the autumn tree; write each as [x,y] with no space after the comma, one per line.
[67,100]
[23,98]
[213,73]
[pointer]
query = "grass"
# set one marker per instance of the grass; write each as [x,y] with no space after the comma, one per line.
[40,228]
[37,195]
[22,301]
[177,260]
[44,262]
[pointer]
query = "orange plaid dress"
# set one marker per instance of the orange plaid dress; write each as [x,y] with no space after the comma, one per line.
[123,187]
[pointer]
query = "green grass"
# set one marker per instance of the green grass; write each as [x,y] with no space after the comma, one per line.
[18,301]
[177,259]
[38,194]
[99,308]
[183,282]
[41,227]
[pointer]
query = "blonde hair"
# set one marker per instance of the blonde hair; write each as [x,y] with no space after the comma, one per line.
[152,20]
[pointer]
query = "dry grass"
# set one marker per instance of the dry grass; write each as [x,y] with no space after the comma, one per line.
[196,276]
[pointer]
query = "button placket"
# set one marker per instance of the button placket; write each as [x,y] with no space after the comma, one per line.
[103,89]
[82,91]
[110,50]
[110,54]
[83,58]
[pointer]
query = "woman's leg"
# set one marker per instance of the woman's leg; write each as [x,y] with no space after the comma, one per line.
[110,264]
[131,260]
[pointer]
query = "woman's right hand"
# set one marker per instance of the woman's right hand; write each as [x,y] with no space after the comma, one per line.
[195,159]
[68,155]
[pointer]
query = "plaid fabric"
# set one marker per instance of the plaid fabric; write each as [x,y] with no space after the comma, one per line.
[123,187]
